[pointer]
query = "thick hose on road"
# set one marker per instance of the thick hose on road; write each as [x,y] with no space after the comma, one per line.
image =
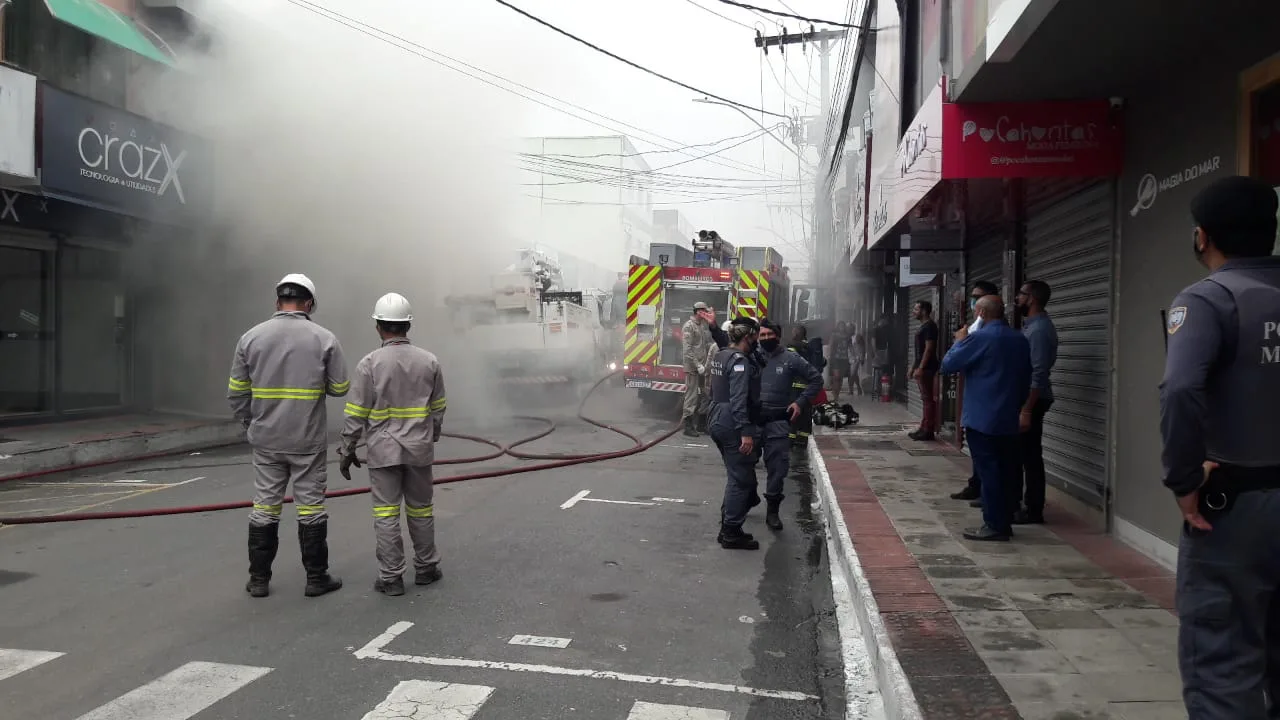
[556,461]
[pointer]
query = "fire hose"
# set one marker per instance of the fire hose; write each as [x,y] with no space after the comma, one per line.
[554,461]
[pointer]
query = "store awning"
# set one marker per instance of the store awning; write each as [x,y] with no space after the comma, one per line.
[111,25]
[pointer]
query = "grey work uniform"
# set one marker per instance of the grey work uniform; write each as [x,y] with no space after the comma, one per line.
[695,342]
[787,378]
[1219,402]
[282,371]
[397,401]
[735,404]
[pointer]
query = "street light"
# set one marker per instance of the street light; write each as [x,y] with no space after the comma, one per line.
[708,101]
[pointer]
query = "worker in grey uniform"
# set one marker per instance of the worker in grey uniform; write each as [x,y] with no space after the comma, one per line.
[788,386]
[397,403]
[695,343]
[282,370]
[1221,433]
[734,425]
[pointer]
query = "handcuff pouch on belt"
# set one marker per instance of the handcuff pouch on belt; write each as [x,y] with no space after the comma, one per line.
[1226,483]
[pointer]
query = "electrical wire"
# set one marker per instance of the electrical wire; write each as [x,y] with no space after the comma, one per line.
[438,58]
[633,64]
[793,16]
[640,153]
[704,8]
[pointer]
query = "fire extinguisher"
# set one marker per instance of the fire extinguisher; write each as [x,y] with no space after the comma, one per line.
[886,388]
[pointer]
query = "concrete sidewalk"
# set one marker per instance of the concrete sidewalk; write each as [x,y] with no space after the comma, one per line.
[1062,623]
[33,450]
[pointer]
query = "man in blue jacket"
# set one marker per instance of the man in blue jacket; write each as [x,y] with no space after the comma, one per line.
[996,362]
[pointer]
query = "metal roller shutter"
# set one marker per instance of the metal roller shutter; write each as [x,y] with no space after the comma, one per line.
[1070,226]
[914,404]
[984,259]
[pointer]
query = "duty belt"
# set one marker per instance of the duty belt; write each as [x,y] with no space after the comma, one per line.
[1230,481]
[768,414]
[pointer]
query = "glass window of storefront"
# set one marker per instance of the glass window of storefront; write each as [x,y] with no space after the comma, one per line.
[1265,138]
[62,329]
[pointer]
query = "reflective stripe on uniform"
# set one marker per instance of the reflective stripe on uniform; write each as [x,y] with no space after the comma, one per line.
[235,385]
[268,509]
[422,512]
[305,510]
[386,413]
[386,511]
[340,387]
[287,393]
[437,405]
[799,385]
[355,410]
[803,434]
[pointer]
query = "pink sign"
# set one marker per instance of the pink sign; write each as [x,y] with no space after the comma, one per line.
[1023,140]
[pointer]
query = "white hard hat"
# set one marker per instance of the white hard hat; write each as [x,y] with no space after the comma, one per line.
[726,325]
[298,279]
[392,307]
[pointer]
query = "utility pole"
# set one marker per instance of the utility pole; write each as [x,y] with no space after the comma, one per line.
[823,225]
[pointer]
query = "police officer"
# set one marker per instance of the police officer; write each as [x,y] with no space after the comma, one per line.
[734,426]
[1221,432]
[282,370]
[397,395]
[788,387]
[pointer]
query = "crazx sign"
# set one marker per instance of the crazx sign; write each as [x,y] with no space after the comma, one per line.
[102,155]
[1022,140]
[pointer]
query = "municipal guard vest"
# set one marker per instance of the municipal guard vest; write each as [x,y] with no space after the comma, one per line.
[719,375]
[1243,421]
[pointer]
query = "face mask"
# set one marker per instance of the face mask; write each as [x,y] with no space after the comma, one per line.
[769,345]
[973,303]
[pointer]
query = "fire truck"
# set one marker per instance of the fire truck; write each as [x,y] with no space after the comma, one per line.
[747,281]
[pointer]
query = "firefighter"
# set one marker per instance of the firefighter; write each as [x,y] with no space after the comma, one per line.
[734,426]
[398,397]
[282,371]
[696,339]
[802,346]
[788,387]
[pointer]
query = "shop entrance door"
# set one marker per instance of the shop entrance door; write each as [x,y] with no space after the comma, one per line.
[94,366]
[26,331]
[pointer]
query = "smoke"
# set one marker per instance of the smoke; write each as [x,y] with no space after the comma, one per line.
[367,168]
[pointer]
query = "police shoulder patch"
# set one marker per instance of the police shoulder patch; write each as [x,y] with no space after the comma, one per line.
[1177,316]
[740,367]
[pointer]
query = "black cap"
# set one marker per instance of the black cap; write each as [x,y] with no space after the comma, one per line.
[745,321]
[1239,215]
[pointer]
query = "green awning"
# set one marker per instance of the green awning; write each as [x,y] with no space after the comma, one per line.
[95,18]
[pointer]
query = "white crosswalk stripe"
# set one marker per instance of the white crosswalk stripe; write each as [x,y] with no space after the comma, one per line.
[425,700]
[197,686]
[13,662]
[654,711]
[179,694]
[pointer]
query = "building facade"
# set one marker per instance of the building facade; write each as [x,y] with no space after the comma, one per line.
[1003,149]
[82,178]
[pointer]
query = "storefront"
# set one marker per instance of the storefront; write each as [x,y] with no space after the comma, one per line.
[66,315]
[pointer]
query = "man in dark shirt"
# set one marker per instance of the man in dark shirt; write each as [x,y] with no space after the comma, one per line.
[996,362]
[1038,328]
[926,369]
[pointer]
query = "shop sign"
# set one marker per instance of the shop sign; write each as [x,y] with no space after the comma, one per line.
[858,205]
[1024,140]
[915,171]
[106,156]
[17,124]
[1151,185]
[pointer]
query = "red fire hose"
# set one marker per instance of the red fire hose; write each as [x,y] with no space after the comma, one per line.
[556,461]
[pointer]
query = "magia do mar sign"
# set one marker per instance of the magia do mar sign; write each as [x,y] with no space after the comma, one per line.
[1044,139]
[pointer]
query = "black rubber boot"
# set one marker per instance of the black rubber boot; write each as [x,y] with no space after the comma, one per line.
[700,423]
[732,538]
[313,540]
[771,519]
[427,577]
[689,429]
[389,587]
[264,541]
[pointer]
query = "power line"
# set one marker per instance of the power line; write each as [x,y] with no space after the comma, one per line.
[635,65]
[722,17]
[433,56]
[713,143]
[793,16]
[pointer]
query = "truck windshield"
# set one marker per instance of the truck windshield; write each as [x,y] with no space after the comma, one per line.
[677,306]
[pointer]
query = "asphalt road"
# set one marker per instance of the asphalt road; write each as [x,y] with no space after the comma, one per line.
[635,612]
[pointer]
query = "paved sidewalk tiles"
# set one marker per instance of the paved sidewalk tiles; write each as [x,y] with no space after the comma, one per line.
[1062,623]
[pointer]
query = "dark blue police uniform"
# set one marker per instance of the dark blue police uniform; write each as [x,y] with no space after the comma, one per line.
[734,414]
[1220,402]
[787,378]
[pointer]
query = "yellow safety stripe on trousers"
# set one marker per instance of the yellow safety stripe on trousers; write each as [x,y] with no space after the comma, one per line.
[422,512]
[803,434]
[386,511]
[799,385]
[437,405]
[305,510]
[235,385]
[287,393]
[355,410]
[268,509]
[339,387]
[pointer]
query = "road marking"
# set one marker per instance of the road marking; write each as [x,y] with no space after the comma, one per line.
[132,481]
[540,641]
[426,700]
[179,695]
[574,500]
[654,711]
[374,651]
[13,662]
[670,500]
[618,502]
